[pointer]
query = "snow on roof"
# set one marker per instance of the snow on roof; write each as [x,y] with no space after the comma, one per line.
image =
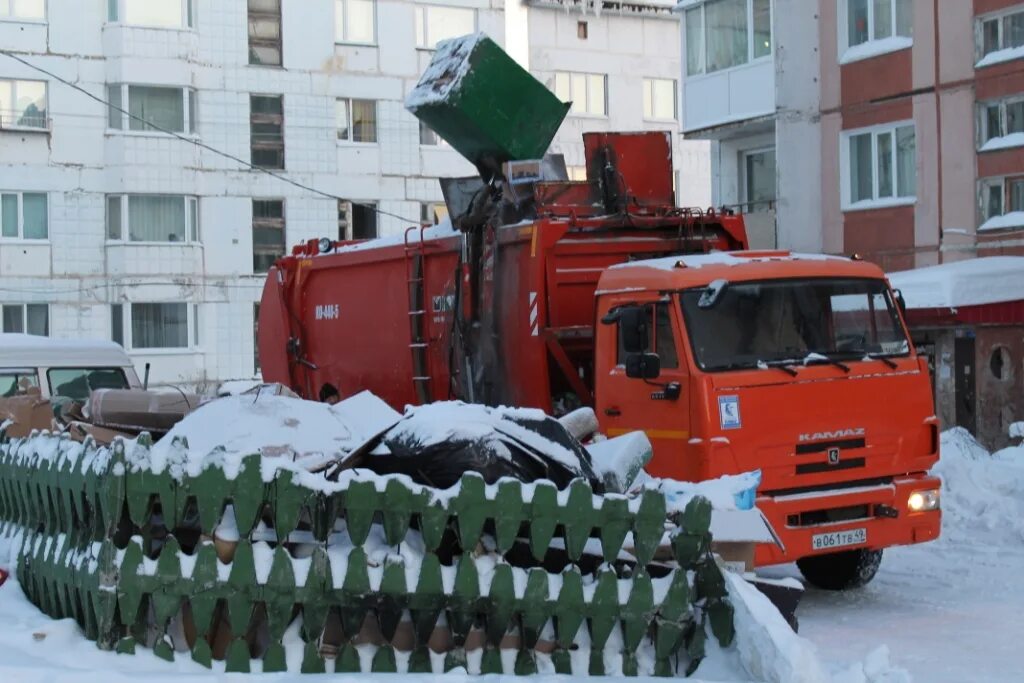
[27,350]
[974,282]
[724,258]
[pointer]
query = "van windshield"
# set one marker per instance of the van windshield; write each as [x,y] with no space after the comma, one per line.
[77,383]
[752,324]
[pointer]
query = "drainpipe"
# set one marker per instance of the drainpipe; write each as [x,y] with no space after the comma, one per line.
[938,112]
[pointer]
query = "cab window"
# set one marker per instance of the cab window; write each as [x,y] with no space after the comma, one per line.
[662,339]
[77,383]
[17,382]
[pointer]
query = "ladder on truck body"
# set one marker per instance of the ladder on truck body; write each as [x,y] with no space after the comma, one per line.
[419,339]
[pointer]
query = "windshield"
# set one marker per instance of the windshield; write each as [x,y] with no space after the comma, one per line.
[77,383]
[756,323]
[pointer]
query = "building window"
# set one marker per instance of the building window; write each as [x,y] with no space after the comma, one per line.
[429,137]
[435,23]
[1001,124]
[268,236]
[1001,203]
[759,179]
[587,92]
[659,99]
[151,108]
[879,165]
[266,130]
[24,215]
[26,319]
[582,31]
[357,120]
[265,32]
[152,218]
[433,212]
[155,325]
[354,21]
[23,9]
[357,220]
[1000,37]
[721,34]
[160,14]
[23,104]
[878,25]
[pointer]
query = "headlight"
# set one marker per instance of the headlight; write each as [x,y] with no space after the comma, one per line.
[325,245]
[923,501]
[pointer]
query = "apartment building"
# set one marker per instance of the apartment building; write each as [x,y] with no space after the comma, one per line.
[175,148]
[896,130]
[889,128]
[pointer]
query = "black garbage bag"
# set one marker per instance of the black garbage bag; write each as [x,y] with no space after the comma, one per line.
[436,444]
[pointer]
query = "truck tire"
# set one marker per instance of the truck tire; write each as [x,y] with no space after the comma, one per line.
[841,571]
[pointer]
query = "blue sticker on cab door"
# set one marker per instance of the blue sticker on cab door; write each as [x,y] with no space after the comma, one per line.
[729,412]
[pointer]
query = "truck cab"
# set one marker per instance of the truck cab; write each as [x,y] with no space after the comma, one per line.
[799,366]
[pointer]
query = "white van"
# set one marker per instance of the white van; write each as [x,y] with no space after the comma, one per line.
[62,367]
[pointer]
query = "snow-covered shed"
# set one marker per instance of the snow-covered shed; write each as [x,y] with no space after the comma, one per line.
[968,317]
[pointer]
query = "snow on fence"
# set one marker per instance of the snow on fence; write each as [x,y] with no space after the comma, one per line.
[375,573]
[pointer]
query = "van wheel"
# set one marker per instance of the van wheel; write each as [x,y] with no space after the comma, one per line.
[841,571]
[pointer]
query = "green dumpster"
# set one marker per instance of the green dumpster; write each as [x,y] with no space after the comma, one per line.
[486,106]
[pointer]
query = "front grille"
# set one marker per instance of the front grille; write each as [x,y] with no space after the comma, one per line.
[819,467]
[830,516]
[822,446]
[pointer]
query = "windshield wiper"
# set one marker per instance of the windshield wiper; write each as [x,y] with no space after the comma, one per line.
[818,358]
[785,365]
[885,359]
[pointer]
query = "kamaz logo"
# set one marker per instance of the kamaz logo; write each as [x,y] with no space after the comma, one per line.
[328,312]
[831,436]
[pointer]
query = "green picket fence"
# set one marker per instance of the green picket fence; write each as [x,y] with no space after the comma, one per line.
[137,559]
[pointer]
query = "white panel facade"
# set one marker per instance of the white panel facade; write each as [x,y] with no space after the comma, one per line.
[89,272]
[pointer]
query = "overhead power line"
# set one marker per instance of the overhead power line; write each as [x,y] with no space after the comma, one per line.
[200,143]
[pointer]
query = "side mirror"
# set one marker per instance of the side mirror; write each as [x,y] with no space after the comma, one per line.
[900,301]
[643,365]
[634,329]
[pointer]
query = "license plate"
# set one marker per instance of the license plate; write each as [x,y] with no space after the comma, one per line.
[839,539]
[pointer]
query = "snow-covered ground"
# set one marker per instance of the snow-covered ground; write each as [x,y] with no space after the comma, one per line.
[951,610]
[945,611]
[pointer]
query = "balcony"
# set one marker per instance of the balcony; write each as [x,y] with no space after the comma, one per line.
[25,121]
[728,97]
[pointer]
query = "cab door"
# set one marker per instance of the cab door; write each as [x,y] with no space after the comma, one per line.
[659,407]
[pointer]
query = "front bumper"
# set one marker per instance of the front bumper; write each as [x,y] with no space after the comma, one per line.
[878,501]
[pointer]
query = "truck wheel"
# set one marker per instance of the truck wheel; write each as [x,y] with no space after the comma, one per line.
[841,571]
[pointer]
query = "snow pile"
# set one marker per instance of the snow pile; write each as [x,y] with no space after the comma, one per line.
[236,426]
[981,493]
[444,422]
[987,280]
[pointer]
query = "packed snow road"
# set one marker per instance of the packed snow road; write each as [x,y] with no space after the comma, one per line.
[948,610]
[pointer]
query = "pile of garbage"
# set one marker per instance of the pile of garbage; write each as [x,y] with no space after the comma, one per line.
[452,536]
